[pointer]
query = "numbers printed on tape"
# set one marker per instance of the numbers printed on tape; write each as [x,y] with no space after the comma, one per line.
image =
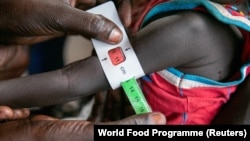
[116,55]
[135,96]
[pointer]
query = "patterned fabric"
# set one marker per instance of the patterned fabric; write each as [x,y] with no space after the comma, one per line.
[186,98]
[233,10]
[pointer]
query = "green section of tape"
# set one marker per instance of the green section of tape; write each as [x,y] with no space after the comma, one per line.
[135,96]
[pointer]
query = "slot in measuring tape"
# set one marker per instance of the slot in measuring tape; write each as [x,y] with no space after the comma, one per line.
[119,62]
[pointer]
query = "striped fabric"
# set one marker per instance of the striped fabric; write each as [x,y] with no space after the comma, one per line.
[186,98]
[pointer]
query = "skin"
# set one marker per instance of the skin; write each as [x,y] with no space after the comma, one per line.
[17,39]
[7,114]
[40,21]
[116,99]
[68,82]
[16,34]
[46,128]
[31,21]
[211,60]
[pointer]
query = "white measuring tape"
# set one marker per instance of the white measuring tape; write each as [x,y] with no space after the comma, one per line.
[119,62]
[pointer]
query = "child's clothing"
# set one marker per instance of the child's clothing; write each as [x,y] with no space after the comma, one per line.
[186,98]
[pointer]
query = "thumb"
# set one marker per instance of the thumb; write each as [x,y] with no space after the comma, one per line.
[88,24]
[52,18]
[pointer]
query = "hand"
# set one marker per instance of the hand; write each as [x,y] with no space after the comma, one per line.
[14,61]
[6,113]
[110,105]
[126,8]
[86,4]
[28,22]
[46,128]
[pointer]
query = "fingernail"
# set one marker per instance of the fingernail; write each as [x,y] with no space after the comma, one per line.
[115,36]
[157,119]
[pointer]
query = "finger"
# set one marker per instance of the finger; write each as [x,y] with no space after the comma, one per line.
[87,24]
[67,130]
[14,61]
[116,104]
[42,117]
[46,130]
[85,4]
[127,109]
[125,12]
[5,112]
[148,118]
[45,20]
[20,114]
[19,40]
[98,110]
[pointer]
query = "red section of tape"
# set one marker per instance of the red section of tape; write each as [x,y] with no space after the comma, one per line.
[116,55]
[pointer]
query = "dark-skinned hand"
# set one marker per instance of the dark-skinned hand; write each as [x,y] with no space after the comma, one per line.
[50,129]
[32,21]
[27,22]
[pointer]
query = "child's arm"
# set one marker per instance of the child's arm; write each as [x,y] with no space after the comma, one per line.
[172,41]
[77,79]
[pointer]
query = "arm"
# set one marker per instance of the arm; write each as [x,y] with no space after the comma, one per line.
[39,21]
[78,79]
[154,48]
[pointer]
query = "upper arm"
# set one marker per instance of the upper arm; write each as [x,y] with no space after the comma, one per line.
[185,40]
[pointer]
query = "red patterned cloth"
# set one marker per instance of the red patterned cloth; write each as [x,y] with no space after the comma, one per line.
[186,98]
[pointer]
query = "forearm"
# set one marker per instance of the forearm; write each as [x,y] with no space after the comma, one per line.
[86,77]
[78,79]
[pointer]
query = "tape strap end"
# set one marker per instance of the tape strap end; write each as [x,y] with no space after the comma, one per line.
[135,96]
